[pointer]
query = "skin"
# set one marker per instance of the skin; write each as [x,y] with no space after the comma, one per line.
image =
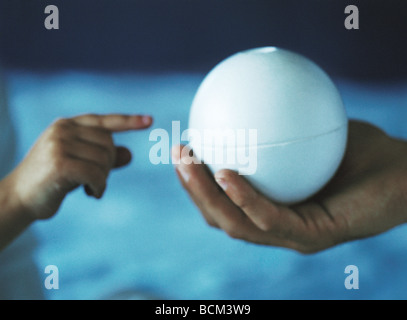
[367,196]
[70,153]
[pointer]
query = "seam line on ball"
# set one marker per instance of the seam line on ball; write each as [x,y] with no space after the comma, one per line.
[278,144]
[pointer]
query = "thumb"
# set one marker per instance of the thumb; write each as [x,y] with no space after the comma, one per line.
[123,157]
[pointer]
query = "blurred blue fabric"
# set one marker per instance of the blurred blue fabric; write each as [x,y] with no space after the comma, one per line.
[146,235]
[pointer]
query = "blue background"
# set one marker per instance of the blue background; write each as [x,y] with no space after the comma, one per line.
[145,235]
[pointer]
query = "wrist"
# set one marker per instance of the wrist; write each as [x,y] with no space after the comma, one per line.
[14,218]
[11,203]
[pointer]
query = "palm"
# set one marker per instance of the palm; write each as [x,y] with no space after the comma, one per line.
[361,200]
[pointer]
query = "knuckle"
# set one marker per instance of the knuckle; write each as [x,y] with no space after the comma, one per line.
[105,157]
[59,127]
[214,200]
[232,230]
[96,118]
[99,120]
[266,225]
[61,123]
[99,174]
[108,139]
[56,148]
[211,223]
[307,247]
[233,233]
[245,200]
[90,118]
[53,130]
[96,175]
[87,115]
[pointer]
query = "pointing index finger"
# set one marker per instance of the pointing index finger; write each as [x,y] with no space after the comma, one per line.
[115,122]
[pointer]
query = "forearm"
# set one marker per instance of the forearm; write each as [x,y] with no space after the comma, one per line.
[13,218]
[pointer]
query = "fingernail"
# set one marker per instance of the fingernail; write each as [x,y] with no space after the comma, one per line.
[222,183]
[184,174]
[146,120]
[175,160]
[98,195]
[100,192]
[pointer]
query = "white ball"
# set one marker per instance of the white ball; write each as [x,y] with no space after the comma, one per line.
[274,116]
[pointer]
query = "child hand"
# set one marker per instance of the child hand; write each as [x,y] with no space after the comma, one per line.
[70,153]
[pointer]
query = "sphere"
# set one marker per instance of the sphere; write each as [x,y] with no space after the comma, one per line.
[275,117]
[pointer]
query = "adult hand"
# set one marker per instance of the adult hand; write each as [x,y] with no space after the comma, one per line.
[367,196]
